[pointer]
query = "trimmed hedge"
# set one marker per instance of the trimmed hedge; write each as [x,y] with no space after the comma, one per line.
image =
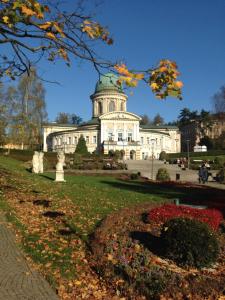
[163,155]
[197,154]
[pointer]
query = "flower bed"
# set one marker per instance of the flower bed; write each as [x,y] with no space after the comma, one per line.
[166,212]
[127,253]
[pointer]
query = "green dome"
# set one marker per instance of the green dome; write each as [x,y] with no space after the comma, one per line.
[109,81]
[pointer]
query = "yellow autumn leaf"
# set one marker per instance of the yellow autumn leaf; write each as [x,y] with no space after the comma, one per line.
[37,5]
[40,15]
[154,86]
[122,69]
[163,69]
[137,248]
[27,11]
[90,32]
[45,25]
[59,30]
[110,257]
[63,54]
[139,76]
[5,19]
[178,84]
[51,35]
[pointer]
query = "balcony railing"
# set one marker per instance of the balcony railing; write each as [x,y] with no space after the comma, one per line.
[121,143]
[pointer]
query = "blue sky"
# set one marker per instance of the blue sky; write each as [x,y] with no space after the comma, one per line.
[191,32]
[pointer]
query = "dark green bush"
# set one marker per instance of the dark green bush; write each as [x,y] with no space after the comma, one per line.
[81,147]
[189,242]
[162,175]
[220,176]
[134,176]
[219,161]
[111,153]
[163,155]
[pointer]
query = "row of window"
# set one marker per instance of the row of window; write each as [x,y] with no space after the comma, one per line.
[150,141]
[120,137]
[112,107]
[74,140]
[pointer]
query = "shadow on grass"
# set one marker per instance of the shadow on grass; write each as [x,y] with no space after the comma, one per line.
[186,193]
[142,187]
[53,214]
[152,242]
[47,177]
[42,202]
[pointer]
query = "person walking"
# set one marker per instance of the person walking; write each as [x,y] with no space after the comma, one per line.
[203,174]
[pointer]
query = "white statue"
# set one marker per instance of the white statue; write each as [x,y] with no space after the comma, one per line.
[59,166]
[41,165]
[35,162]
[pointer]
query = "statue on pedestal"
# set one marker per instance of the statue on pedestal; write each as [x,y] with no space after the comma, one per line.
[59,167]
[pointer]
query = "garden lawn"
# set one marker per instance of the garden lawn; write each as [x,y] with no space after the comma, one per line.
[54,220]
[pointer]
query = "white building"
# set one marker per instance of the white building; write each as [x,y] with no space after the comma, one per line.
[113,128]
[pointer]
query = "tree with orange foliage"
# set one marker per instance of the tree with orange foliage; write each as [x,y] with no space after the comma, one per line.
[34,30]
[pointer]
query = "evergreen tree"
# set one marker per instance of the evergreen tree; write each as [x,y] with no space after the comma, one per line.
[206,141]
[66,118]
[81,146]
[158,120]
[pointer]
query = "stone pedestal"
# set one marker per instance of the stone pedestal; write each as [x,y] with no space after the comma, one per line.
[59,176]
[35,163]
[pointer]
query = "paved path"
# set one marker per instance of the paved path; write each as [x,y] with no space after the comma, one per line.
[145,167]
[17,280]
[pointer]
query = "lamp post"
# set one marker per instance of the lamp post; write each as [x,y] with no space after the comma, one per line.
[108,144]
[188,154]
[152,142]
[110,138]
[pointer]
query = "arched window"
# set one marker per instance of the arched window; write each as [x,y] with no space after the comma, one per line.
[100,108]
[111,106]
[122,106]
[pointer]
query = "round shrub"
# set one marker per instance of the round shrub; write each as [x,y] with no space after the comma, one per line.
[134,176]
[162,175]
[189,242]
[163,155]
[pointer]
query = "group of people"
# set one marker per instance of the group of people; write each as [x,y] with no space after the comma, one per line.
[182,162]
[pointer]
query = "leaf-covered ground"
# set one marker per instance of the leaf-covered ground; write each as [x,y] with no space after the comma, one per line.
[54,220]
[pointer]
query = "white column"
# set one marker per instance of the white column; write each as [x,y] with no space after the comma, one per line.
[102,132]
[45,146]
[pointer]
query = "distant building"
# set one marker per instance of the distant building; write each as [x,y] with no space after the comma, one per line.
[192,132]
[112,128]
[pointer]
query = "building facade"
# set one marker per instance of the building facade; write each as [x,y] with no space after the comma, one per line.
[192,133]
[112,128]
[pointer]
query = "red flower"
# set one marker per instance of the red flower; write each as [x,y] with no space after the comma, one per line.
[165,212]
